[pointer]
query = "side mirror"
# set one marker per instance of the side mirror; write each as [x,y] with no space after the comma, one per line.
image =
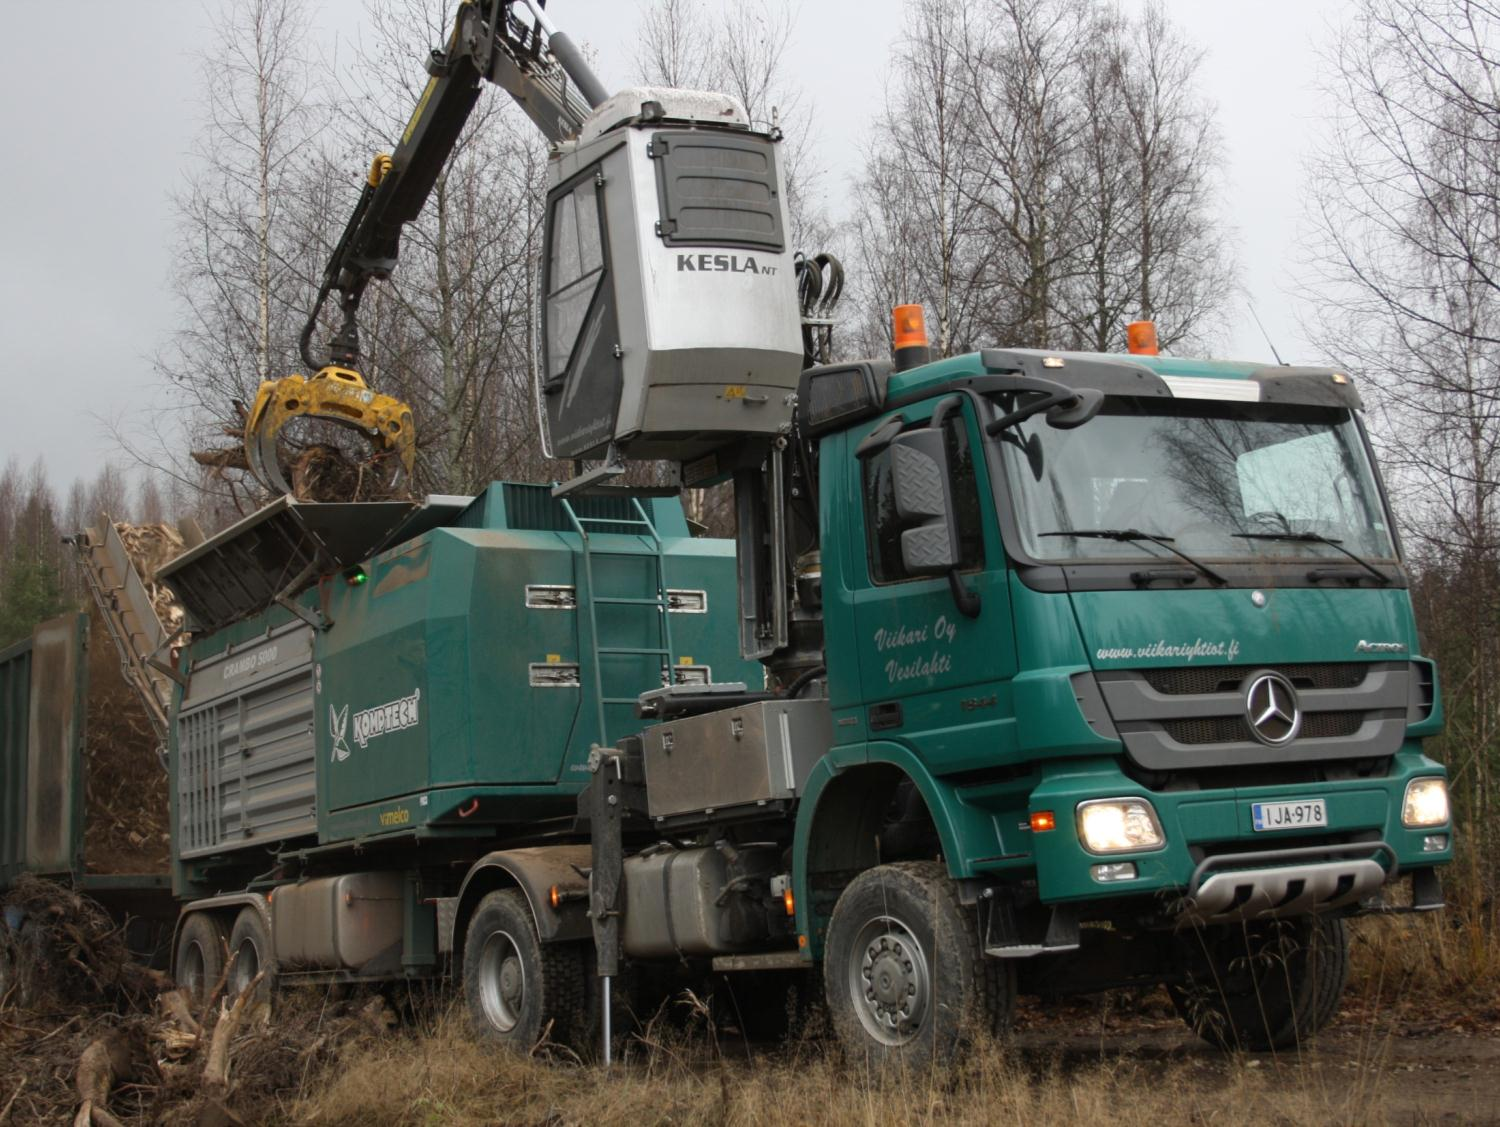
[919,484]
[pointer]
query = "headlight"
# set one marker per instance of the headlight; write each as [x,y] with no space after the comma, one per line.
[1426,803]
[1118,825]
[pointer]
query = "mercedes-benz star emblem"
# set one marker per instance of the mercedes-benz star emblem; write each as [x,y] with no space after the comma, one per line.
[1272,710]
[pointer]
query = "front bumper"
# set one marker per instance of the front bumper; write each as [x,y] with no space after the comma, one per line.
[1214,866]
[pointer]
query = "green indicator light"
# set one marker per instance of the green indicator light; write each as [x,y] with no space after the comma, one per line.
[356,577]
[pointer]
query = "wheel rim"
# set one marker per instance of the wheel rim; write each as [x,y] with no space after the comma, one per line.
[502,981]
[889,982]
[246,965]
[190,972]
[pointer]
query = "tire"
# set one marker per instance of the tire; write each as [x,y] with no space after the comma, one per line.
[517,990]
[905,977]
[250,948]
[1263,985]
[1331,969]
[199,960]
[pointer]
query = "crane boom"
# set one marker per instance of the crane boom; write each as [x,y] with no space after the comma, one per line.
[536,64]
[545,73]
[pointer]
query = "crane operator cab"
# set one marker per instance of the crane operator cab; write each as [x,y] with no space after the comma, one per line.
[670,326]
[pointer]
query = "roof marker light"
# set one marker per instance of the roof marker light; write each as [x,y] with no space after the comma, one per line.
[1140,338]
[909,337]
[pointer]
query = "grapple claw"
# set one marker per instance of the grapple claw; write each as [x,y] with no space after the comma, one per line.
[335,395]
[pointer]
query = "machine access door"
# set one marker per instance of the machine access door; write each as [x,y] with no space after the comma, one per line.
[582,379]
[933,678]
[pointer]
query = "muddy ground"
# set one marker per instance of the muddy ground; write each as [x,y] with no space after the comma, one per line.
[1402,1063]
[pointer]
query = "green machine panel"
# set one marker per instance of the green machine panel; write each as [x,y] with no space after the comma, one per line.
[485,654]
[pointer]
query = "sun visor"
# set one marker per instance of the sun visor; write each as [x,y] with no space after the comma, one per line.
[1317,387]
[1112,376]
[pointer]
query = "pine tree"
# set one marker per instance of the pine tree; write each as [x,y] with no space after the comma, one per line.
[30,593]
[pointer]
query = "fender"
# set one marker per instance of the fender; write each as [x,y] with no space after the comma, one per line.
[966,834]
[534,871]
[228,900]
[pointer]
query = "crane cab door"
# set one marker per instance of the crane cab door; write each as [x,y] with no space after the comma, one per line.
[581,380]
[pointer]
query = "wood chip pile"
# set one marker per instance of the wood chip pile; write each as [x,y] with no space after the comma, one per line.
[127,813]
[150,546]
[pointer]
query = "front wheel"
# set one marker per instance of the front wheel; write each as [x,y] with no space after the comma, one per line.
[904,973]
[1270,984]
[518,990]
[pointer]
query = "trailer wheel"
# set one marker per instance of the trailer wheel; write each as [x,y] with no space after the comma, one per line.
[250,948]
[903,970]
[519,991]
[1264,985]
[200,956]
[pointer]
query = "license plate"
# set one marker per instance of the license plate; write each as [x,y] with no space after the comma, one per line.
[1309,813]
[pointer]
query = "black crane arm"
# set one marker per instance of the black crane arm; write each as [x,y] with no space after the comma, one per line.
[539,66]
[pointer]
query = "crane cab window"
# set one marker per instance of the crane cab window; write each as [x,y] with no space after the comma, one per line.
[883,529]
[575,269]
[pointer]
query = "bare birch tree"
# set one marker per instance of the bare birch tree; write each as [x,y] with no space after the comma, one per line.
[1045,172]
[1406,291]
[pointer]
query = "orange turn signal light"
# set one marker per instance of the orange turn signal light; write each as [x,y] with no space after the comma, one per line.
[1140,338]
[910,325]
[791,904]
[554,896]
[1043,820]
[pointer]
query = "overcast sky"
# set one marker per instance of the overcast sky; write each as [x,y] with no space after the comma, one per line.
[103,105]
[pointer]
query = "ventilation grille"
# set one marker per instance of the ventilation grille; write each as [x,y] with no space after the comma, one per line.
[533,508]
[1195,680]
[1234,729]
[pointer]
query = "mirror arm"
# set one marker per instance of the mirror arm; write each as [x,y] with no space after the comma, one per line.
[967,601]
[1035,407]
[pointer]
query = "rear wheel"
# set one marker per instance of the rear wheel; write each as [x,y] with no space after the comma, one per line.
[1268,984]
[518,990]
[200,956]
[250,947]
[904,974]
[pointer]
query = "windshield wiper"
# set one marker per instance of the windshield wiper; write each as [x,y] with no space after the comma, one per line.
[1318,538]
[1134,535]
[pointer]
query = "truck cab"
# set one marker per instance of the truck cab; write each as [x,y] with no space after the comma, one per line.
[1126,643]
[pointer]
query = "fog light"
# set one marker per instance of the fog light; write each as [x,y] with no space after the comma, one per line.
[1434,843]
[1118,825]
[1426,803]
[1115,870]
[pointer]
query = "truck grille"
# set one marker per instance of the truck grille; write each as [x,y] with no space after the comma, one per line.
[1233,729]
[1193,717]
[1195,680]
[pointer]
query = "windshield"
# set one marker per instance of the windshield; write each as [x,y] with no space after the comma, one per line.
[1200,473]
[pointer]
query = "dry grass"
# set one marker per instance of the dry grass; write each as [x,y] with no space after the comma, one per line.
[1442,968]
[440,1075]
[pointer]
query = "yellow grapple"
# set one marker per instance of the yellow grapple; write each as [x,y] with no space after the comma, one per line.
[335,395]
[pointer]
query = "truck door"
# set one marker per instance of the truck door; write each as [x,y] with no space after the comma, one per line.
[933,678]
